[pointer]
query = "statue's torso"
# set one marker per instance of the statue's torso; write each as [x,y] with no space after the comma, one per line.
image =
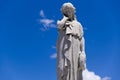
[74,28]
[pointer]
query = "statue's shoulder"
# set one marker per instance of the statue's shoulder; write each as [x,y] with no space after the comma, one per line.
[77,23]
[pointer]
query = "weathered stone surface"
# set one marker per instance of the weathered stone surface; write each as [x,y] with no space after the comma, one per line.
[71,58]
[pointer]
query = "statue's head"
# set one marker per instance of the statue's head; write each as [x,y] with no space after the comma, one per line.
[68,10]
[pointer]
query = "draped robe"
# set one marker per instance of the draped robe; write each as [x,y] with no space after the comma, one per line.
[70,51]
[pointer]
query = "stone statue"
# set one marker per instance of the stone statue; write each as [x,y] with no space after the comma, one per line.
[71,58]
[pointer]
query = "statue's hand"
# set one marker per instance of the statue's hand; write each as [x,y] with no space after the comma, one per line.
[82,60]
[68,23]
[82,56]
[61,23]
[64,18]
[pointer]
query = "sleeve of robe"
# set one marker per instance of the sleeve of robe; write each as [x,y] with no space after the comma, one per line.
[61,23]
[82,50]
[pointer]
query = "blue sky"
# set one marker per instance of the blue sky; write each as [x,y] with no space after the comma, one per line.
[27,47]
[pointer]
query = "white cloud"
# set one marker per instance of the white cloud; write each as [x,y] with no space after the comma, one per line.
[53,56]
[106,78]
[53,47]
[47,23]
[89,75]
[42,13]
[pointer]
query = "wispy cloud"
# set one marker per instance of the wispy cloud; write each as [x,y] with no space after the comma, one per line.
[46,22]
[42,14]
[85,28]
[106,78]
[53,56]
[53,47]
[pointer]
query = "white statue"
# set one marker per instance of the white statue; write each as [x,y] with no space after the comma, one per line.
[71,58]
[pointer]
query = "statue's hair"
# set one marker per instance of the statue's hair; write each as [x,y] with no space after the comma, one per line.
[67,6]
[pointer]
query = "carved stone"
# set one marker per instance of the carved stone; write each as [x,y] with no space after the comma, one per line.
[71,58]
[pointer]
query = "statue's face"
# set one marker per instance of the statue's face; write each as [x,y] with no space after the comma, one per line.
[68,12]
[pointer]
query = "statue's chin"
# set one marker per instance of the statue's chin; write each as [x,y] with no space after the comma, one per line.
[70,17]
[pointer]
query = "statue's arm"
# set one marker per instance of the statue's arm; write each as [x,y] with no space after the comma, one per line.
[82,40]
[61,23]
[82,50]
[81,31]
[82,45]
